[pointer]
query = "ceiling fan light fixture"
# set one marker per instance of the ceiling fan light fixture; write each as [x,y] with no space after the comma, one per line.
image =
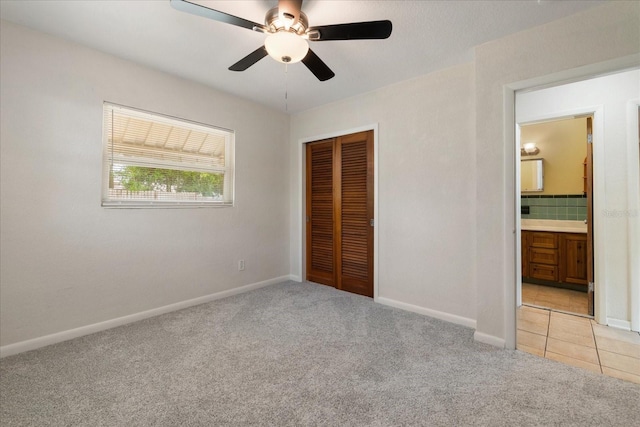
[286,47]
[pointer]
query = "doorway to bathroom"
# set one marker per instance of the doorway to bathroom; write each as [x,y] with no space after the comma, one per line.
[612,102]
[556,214]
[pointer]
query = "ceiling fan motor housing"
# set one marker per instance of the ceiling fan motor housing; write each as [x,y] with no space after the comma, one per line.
[274,23]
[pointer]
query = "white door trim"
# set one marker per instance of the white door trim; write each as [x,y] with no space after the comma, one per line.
[509,168]
[633,213]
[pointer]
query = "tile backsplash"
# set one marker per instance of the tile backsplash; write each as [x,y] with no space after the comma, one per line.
[571,207]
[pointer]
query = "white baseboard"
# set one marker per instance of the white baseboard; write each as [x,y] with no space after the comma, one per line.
[489,339]
[619,324]
[448,317]
[32,344]
[295,278]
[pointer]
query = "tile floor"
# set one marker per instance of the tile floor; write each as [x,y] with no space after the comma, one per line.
[579,341]
[555,298]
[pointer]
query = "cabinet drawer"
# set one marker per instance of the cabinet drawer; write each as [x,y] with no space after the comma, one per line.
[544,272]
[543,256]
[543,240]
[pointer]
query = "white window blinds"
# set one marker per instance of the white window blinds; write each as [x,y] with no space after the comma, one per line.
[156,160]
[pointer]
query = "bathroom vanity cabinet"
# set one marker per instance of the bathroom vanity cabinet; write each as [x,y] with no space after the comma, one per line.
[554,257]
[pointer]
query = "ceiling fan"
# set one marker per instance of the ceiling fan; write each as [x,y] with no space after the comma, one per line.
[289,32]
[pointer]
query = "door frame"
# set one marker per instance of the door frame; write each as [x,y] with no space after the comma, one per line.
[302,209]
[597,196]
[510,151]
[633,197]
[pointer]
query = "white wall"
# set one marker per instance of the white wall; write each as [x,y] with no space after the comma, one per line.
[609,96]
[426,158]
[600,39]
[66,262]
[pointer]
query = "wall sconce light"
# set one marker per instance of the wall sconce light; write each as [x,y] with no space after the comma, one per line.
[529,149]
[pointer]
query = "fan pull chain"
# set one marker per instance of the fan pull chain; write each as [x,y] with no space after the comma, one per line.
[286,88]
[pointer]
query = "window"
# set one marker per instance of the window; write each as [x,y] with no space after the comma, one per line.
[152,160]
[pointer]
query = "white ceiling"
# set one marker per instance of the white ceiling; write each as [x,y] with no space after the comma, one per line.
[427,36]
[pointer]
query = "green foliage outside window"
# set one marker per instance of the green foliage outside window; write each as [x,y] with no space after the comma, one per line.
[137,178]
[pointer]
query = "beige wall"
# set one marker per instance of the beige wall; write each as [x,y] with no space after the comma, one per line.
[563,148]
[66,261]
[426,221]
[443,246]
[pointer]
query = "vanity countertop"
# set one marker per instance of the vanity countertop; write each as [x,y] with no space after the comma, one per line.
[554,225]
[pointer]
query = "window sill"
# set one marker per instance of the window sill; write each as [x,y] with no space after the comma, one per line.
[163,205]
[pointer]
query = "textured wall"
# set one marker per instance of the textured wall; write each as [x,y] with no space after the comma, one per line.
[426,224]
[66,261]
[585,42]
[563,146]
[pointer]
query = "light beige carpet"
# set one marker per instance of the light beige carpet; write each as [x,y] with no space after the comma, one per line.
[300,354]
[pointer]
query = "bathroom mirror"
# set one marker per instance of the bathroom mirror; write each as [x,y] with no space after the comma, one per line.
[531,175]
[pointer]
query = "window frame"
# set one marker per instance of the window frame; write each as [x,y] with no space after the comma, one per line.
[228,170]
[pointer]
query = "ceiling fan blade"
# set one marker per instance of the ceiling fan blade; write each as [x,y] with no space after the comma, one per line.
[196,9]
[317,67]
[352,31]
[250,59]
[290,9]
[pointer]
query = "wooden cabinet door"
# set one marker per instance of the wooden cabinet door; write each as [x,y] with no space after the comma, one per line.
[320,221]
[574,259]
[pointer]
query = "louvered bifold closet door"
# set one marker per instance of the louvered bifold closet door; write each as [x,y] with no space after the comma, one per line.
[320,211]
[353,179]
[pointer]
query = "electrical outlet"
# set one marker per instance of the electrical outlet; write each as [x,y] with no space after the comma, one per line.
[241,265]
